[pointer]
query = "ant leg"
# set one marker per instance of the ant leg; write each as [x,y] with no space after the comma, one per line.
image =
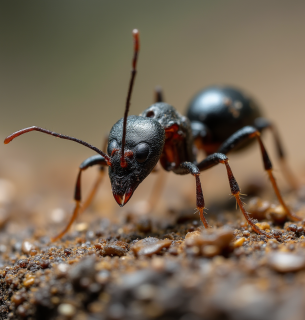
[159,97]
[97,183]
[216,158]
[93,191]
[188,167]
[244,135]
[157,189]
[263,124]
[94,160]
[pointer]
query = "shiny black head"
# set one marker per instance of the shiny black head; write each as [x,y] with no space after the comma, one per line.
[143,146]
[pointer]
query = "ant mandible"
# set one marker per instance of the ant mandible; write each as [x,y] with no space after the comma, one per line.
[137,143]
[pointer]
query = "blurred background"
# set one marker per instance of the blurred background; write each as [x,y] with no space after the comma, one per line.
[65,66]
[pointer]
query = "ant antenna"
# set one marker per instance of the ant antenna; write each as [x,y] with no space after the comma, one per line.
[135,34]
[58,135]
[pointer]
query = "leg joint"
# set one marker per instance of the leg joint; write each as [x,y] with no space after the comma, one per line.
[220,158]
[255,134]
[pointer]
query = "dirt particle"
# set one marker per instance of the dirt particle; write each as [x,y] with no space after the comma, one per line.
[67,251]
[257,208]
[277,214]
[23,263]
[239,242]
[27,247]
[292,227]
[29,282]
[18,298]
[116,248]
[66,309]
[149,246]
[286,262]
[263,225]
[81,227]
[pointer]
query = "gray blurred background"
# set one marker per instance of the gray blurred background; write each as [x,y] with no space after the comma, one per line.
[65,66]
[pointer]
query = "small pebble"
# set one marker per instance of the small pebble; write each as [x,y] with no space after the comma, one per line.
[66,309]
[27,247]
[286,262]
[277,214]
[263,225]
[257,208]
[116,248]
[149,246]
[239,242]
[29,281]
[292,227]
[81,227]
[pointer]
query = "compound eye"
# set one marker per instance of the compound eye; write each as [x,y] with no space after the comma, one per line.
[112,145]
[142,152]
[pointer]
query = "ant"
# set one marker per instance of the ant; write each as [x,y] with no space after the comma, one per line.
[160,133]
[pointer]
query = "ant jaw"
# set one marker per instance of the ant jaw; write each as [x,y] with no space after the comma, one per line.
[122,199]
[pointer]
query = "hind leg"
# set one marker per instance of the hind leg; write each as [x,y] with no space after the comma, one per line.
[262,124]
[242,136]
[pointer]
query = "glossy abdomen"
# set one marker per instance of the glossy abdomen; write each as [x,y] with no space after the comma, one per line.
[222,110]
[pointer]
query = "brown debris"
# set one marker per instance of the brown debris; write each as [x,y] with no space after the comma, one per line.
[117,248]
[210,242]
[257,208]
[27,246]
[277,214]
[149,246]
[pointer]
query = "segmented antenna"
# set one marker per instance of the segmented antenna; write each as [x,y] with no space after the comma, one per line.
[58,135]
[135,34]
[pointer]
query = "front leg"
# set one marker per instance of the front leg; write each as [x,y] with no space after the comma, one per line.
[99,178]
[216,158]
[92,161]
[193,170]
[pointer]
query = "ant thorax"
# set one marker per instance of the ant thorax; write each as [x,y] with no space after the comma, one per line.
[178,135]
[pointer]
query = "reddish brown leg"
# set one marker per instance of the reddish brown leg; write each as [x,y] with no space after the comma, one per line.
[263,124]
[216,158]
[93,191]
[242,136]
[188,167]
[200,202]
[95,160]
[97,183]
[72,219]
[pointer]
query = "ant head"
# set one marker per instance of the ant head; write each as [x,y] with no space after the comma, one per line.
[135,145]
[143,147]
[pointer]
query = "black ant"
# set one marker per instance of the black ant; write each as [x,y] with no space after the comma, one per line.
[137,143]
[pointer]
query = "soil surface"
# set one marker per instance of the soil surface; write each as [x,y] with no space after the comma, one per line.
[168,269]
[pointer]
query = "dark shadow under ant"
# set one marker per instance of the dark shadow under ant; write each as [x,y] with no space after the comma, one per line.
[160,133]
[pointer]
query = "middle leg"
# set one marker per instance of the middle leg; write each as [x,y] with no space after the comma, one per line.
[189,167]
[216,158]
